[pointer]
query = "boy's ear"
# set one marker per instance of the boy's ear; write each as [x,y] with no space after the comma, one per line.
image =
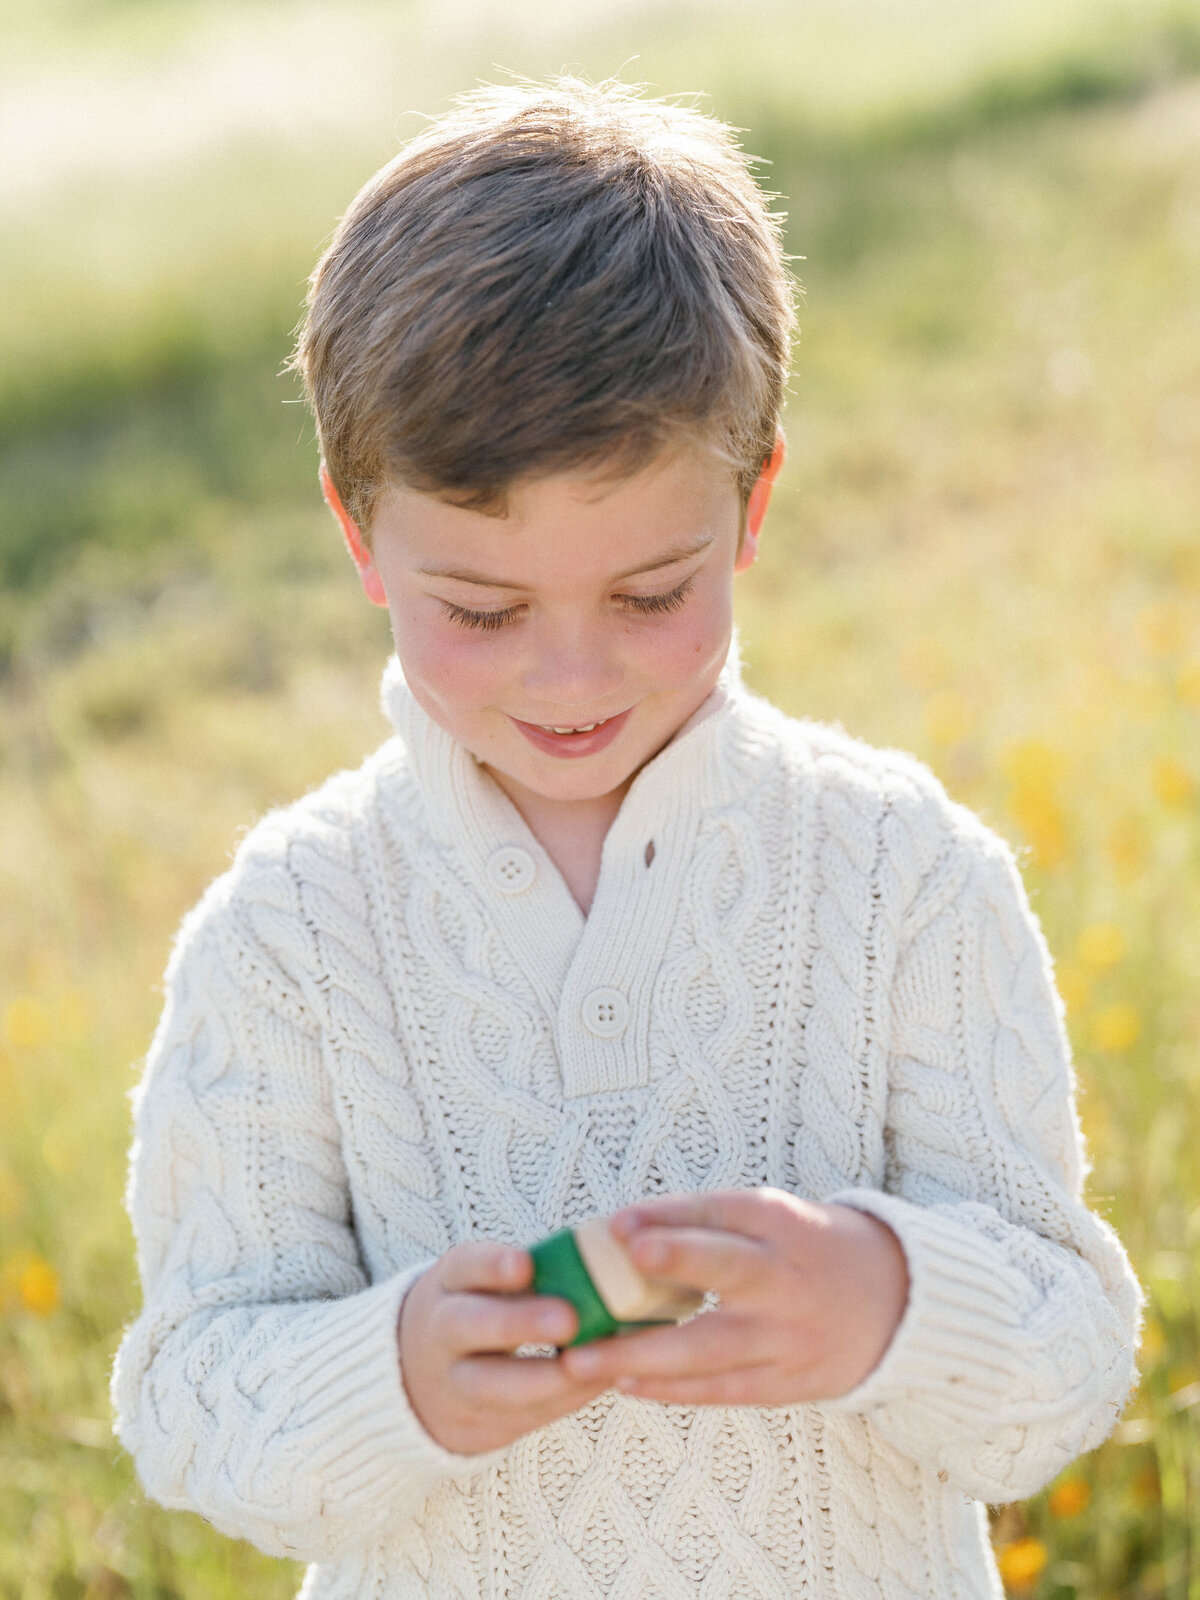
[371,581]
[756,508]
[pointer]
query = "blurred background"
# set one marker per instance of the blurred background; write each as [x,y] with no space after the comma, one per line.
[985,550]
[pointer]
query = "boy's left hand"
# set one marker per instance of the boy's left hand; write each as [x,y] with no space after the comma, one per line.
[811,1295]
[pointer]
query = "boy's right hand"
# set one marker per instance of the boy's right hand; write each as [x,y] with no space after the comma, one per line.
[459,1324]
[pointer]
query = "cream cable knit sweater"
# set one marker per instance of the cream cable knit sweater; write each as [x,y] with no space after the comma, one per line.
[388,1028]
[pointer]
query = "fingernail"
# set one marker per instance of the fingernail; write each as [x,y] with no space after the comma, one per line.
[626,1385]
[553,1324]
[584,1363]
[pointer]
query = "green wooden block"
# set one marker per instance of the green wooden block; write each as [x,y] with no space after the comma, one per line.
[593,1271]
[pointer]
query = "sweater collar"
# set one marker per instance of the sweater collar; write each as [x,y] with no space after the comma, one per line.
[465,804]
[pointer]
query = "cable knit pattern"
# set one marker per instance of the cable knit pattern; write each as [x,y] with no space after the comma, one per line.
[381,1037]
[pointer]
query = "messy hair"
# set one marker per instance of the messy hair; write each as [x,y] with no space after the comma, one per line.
[550,277]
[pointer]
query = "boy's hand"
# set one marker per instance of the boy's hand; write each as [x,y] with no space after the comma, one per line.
[459,1324]
[810,1297]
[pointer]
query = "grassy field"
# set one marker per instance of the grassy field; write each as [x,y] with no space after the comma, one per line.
[984,550]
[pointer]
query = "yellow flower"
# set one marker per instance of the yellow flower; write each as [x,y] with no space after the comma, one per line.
[1188,683]
[1172,782]
[1101,945]
[1160,629]
[26,1023]
[1022,1563]
[1069,1498]
[949,716]
[1073,986]
[37,1286]
[1126,846]
[1040,819]
[1153,1340]
[1031,764]
[1116,1028]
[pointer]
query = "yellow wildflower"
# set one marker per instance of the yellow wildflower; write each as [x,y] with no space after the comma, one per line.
[1116,1028]
[1126,846]
[1153,1340]
[1031,764]
[1101,945]
[1069,1498]
[949,716]
[1040,819]
[37,1286]
[26,1023]
[1073,986]
[1022,1563]
[1172,782]
[1160,629]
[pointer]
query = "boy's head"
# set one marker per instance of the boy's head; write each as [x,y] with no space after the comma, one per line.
[546,351]
[550,278]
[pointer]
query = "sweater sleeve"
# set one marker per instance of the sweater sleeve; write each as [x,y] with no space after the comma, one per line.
[1016,1351]
[260,1386]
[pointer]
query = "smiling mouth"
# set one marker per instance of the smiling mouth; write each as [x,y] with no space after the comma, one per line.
[580,738]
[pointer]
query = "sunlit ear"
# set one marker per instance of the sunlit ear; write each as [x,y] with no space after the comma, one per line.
[760,498]
[368,573]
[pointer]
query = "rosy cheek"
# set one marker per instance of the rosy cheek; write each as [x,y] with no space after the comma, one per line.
[460,665]
[694,633]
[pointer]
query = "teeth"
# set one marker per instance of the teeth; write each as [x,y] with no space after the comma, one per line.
[586,729]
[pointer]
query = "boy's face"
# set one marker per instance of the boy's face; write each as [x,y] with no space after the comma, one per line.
[598,608]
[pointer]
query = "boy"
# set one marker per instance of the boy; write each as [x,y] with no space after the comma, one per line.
[600,934]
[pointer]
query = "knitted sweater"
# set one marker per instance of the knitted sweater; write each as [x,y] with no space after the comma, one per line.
[388,1028]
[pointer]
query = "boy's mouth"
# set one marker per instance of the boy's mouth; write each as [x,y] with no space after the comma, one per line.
[583,739]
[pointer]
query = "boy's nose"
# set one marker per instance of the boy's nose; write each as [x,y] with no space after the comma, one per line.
[573,669]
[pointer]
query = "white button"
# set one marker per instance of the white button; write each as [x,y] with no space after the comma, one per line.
[511,870]
[605,1013]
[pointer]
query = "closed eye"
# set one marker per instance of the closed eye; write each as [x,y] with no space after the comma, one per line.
[485,620]
[670,601]
[644,604]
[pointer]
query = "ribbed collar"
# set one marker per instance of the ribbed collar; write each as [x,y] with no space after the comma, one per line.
[466,805]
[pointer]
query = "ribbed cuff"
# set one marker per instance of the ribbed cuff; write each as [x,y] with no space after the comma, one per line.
[956,1341]
[366,1442]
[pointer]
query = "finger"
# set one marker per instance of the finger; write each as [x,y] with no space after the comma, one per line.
[701,1258]
[752,1212]
[536,1385]
[745,1386]
[487,1322]
[713,1343]
[485,1265]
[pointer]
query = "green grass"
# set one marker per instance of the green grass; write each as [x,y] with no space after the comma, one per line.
[983,550]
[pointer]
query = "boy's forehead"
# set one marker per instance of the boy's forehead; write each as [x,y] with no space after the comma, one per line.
[573,521]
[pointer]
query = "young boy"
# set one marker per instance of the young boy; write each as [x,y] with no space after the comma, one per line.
[600,934]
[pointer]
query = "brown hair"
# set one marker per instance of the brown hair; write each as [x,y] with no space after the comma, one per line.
[549,277]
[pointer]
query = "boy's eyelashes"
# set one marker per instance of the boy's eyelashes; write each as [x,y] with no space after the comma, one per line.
[644,604]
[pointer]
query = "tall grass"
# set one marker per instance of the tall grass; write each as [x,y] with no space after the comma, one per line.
[983,550]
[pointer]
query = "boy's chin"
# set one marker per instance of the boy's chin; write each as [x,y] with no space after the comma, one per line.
[575,784]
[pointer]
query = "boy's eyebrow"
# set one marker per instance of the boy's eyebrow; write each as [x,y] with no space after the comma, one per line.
[677,553]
